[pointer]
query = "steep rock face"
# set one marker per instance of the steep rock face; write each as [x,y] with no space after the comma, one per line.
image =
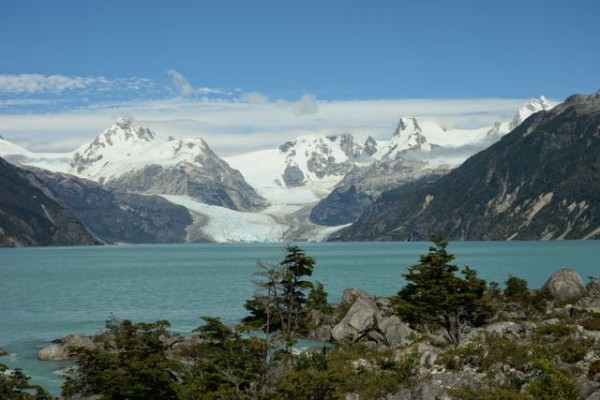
[362,186]
[119,217]
[135,159]
[417,150]
[31,216]
[538,182]
[310,158]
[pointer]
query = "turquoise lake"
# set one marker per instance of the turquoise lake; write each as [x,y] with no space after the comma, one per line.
[48,293]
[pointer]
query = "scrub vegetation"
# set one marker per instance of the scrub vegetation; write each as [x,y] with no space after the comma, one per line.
[485,341]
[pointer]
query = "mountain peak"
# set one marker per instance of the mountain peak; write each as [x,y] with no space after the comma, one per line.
[531,107]
[124,130]
[408,125]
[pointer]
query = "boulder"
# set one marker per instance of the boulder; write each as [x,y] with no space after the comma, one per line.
[350,295]
[322,333]
[359,319]
[504,328]
[394,330]
[2,352]
[53,352]
[591,300]
[564,286]
[60,350]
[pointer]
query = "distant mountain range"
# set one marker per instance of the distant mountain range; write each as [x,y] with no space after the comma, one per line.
[541,181]
[131,184]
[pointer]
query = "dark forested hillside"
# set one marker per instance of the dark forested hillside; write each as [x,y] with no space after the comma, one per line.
[31,216]
[541,181]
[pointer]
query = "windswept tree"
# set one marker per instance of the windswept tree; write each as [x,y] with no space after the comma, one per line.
[129,363]
[225,364]
[280,303]
[15,385]
[435,296]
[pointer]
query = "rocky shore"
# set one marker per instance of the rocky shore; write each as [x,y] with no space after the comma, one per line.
[492,356]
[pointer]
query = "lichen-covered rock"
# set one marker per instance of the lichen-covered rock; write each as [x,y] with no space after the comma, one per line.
[565,285]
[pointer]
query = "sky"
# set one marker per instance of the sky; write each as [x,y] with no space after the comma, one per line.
[247,74]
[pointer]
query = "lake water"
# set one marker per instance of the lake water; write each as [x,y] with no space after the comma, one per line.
[48,293]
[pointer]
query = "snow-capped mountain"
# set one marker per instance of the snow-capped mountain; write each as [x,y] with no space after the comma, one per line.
[304,170]
[304,190]
[8,149]
[532,106]
[414,134]
[135,159]
[417,149]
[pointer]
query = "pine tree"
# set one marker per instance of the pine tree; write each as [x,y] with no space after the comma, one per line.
[435,296]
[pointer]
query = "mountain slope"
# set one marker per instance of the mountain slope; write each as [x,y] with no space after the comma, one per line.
[538,182]
[135,159]
[31,216]
[119,217]
[417,150]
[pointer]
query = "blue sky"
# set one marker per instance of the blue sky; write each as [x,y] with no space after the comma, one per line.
[106,58]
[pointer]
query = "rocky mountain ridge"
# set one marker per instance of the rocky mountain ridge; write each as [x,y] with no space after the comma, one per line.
[537,182]
[303,190]
[134,159]
[30,215]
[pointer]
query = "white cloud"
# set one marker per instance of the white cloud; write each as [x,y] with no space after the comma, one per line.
[235,126]
[38,83]
[254,98]
[184,87]
[181,83]
[307,105]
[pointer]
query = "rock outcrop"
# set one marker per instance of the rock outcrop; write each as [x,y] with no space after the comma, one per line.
[60,350]
[369,320]
[565,285]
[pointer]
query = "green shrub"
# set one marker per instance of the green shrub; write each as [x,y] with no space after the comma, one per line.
[552,384]
[554,332]
[572,350]
[591,323]
[594,371]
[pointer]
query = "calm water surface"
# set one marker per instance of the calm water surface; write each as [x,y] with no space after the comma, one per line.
[47,293]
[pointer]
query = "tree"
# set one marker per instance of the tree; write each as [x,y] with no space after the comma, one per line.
[435,296]
[516,290]
[15,386]
[279,305]
[130,364]
[226,365]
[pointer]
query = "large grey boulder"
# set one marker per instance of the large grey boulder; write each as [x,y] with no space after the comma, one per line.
[565,285]
[61,350]
[394,330]
[2,352]
[370,320]
[359,319]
